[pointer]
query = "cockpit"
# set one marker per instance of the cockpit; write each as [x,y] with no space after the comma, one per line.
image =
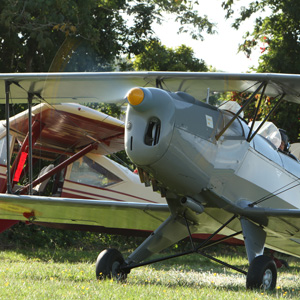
[269,131]
[269,141]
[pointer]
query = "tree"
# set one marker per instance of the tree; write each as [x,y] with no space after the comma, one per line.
[276,35]
[158,57]
[87,35]
[278,38]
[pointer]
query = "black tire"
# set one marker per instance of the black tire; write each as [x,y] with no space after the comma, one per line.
[262,273]
[108,265]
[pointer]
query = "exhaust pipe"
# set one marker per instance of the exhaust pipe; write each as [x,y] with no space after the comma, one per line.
[192,204]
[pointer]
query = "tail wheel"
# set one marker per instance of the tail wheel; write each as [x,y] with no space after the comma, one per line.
[262,273]
[108,265]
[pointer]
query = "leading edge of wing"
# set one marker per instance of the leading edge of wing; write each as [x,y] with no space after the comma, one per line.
[112,87]
[106,87]
[58,200]
[271,212]
[113,214]
[257,214]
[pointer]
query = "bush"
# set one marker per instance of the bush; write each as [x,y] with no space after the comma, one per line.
[34,236]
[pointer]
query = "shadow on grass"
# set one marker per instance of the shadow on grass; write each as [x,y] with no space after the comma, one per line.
[56,255]
[290,292]
[191,262]
[187,262]
[196,262]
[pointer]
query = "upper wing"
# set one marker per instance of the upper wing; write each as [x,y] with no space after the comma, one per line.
[69,87]
[68,127]
[112,87]
[111,214]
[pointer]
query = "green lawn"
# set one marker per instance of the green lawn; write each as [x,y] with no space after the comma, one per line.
[70,274]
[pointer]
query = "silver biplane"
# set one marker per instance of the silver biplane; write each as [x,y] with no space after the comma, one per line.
[217,173]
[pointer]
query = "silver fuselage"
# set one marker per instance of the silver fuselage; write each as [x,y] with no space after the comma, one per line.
[171,136]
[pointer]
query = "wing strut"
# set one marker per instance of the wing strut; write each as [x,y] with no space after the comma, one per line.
[158,83]
[250,137]
[249,100]
[256,113]
[30,97]
[30,168]
[7,115]
[37,128]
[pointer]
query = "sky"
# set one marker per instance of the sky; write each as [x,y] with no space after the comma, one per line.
[218,50]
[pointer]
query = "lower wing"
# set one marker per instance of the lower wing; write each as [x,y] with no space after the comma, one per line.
[111,214]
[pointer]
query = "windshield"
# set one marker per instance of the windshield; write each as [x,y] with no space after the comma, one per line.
[231,106]
[87,171]
[269,131]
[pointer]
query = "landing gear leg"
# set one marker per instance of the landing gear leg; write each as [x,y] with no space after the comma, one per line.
[111,264]
[262,271]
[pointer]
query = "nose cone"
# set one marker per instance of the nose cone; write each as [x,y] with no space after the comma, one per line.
[135,96]
[149,124]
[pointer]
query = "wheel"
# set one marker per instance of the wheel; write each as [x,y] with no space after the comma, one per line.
[108,265]
[262,273]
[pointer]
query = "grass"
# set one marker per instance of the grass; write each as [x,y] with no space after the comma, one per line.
[70,274]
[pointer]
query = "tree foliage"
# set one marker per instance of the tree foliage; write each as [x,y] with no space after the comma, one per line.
[85,35]
[277,37]
[158,57]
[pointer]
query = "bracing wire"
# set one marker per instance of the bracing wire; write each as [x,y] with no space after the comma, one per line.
[277,192]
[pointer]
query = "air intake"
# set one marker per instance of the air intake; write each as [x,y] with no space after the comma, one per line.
[152,132]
